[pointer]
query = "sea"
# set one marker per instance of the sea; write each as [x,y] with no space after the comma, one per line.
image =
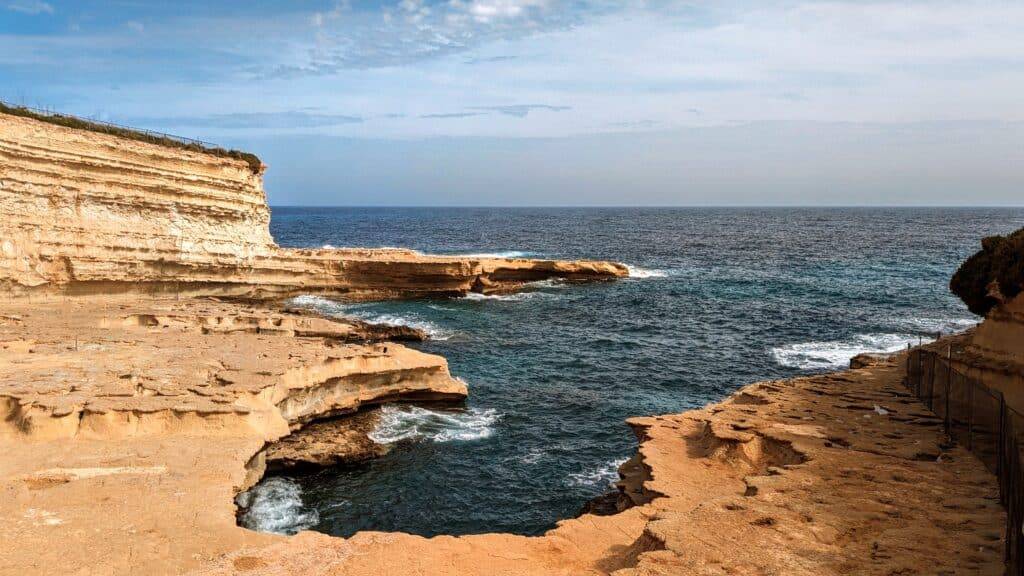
[717,298]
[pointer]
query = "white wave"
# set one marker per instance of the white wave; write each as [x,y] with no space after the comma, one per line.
[275,505]
[399,423]
[500,254]
[934,325]
[603,476]
[541,290]
[837,353]
[332,308]
[549,283]
[644,273]
[514,297]
[532,457]
[432,330]
[329,247]
[324,305]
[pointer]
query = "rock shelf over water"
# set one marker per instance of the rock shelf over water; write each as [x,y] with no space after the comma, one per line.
[89,213]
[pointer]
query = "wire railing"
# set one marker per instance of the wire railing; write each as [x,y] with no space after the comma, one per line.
[111,125]
[978,418]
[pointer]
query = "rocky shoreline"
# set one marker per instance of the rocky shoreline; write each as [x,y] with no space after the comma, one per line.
[139,395]
[807,473]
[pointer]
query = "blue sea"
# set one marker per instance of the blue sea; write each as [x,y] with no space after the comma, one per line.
[719,298]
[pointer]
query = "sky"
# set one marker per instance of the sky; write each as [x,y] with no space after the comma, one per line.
[539,102]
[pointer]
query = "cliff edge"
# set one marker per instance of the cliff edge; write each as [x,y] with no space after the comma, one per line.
[88,213]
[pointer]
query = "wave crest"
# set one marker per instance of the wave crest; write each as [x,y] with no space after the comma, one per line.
[499,254]
[837,353]
[275,505]
[399,423]
[933,325]
[644,273]
[330,307]
[603,476]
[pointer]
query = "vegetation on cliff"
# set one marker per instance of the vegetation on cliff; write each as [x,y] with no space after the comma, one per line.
[132,134]
[997,270]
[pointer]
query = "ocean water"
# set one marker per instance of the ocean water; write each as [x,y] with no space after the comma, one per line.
[719,298]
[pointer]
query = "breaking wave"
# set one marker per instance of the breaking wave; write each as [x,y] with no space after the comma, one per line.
[603,476]
[330,307]
[399,423]
[932,325]
[432,330]
[538,289]
[644,273]
[514,297]
[837,353]
[500,254]
[275,505]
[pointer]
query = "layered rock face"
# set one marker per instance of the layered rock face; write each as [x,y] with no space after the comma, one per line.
[991,283]
[88,213]
[95,370]
[993,353]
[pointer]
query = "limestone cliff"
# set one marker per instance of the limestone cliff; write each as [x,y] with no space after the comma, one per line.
[86,213]
[990,282]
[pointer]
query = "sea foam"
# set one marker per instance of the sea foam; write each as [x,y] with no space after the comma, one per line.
[399,423]
[644,273]
[933,325]
[603,476]
[330,307]
[514,297]
[837,353]
[500,254]
[275,505]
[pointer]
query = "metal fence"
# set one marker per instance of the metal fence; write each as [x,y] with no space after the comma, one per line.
[152,133]
[978,418]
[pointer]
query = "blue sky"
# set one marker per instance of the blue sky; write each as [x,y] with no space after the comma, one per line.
[506,102]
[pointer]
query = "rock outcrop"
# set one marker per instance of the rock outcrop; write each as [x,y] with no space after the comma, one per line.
[90,213]
[991,283]
[344,440]
[93,370]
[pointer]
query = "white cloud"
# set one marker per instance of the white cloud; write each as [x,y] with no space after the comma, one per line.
[488,10]
[30,7]
[637,66]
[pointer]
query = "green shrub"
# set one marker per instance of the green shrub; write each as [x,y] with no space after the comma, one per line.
[1001,259]
[72,122]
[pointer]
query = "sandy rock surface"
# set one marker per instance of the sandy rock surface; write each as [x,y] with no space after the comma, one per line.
[129,451]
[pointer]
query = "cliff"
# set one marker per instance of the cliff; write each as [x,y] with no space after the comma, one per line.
[93,213]
[990,282]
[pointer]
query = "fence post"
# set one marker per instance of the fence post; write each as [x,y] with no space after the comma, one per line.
[931,383]
[921,371]
[949,388]
[910,385]
[1000,468]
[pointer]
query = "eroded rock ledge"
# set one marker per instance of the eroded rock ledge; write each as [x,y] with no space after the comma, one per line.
[840,473]
[92,370]
[86,213]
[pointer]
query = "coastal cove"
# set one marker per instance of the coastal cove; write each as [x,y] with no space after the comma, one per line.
[717,298]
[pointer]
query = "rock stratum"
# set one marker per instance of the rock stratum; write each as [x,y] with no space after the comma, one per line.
[86,213]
